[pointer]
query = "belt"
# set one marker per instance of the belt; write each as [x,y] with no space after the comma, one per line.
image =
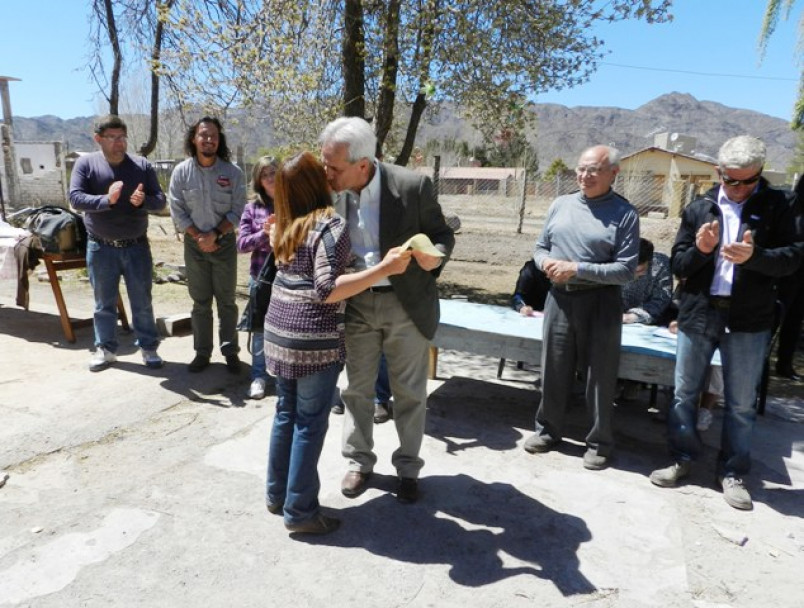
[567,287]
[119,242]
[719,301]
[381,289]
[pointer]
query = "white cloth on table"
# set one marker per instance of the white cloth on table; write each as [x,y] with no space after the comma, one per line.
[9,237]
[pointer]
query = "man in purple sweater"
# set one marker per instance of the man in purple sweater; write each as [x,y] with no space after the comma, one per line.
[115,191]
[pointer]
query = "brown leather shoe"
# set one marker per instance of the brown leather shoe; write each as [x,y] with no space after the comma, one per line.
[320,524]
[275,508]
[354,483]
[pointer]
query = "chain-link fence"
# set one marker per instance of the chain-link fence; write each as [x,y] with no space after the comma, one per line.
[511,193]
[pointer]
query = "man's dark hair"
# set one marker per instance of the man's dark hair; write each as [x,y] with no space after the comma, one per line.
[110,121]
[189,144]
[645,251]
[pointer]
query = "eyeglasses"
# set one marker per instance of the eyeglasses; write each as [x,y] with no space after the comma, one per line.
[591,170]
[115,138]
[730,181]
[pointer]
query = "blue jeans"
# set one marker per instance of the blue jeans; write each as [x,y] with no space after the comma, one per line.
[106,265]
[297,437]
[257,347]
[742,355]
[382,387]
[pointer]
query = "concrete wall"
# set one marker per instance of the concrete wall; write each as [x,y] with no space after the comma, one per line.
[41,176]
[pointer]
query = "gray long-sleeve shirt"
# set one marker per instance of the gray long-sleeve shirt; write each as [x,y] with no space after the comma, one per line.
[203,196]
[601,234]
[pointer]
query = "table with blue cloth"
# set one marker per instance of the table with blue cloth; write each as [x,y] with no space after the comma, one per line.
[647,355]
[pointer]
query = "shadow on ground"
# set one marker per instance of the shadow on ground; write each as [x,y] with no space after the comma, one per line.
[458,521]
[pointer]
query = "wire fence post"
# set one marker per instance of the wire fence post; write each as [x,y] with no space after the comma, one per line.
[436,174]
[522,200]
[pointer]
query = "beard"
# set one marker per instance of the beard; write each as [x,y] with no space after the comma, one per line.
[208,153]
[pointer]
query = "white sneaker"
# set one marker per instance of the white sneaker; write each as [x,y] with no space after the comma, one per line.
[257,389]
[151,359]
[704,419]
[735,494]
[101,359]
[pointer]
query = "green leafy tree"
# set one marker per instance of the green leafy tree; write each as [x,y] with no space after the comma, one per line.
[796,166]
[303,62]
[556,168]
[775,10]
[512,149]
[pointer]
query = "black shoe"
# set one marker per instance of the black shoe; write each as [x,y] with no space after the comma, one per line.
[789,373]
[381,413]
[198,364]
[338,408]
[407,491]
[233,364]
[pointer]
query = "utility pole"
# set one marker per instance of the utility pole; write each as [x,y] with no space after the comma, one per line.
[9,156]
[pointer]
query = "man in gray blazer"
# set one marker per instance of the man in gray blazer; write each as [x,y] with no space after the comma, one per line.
[384,206]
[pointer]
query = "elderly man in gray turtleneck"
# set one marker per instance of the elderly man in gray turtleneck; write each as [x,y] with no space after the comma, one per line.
[588,248]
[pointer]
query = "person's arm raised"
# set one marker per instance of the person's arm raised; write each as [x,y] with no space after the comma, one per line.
[347,285]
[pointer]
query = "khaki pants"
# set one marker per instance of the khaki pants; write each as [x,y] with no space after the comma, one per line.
[213,275]
[376,323]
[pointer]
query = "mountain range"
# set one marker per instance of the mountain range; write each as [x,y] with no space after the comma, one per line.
[561,131]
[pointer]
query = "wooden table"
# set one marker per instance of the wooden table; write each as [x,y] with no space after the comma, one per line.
[55,263]
[500,332]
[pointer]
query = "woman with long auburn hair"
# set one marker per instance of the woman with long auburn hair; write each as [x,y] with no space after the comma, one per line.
[304,334]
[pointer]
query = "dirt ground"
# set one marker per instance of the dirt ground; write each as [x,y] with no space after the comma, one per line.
[484,266]
[152,495]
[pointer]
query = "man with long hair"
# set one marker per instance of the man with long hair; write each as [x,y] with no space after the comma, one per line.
[384,205]
[207,195]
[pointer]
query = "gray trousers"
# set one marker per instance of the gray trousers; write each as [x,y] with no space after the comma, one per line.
[213,275]
[376,323]
[582,329]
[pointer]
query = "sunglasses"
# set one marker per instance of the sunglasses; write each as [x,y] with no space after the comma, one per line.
[740,182]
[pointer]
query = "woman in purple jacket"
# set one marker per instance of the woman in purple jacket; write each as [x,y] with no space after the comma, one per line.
[253,238]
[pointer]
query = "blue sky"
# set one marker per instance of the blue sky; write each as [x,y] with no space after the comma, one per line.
[708,51]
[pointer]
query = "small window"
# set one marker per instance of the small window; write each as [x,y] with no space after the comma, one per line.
[27,167]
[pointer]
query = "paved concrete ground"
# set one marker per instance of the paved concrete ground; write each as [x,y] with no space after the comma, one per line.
[133,487]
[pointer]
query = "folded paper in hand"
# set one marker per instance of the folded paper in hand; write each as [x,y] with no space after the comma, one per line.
[421,242]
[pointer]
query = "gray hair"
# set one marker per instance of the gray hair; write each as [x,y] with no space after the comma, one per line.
[612,154]
[354,133]
[741,152]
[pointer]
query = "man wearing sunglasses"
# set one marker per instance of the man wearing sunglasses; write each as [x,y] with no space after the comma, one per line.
[732,246]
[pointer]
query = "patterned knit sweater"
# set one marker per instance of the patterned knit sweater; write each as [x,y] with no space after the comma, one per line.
[303,334]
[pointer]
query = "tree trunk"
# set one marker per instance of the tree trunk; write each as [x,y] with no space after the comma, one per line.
[156,54]
[354,65]
[111,28]
[413,126]
[390,68]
